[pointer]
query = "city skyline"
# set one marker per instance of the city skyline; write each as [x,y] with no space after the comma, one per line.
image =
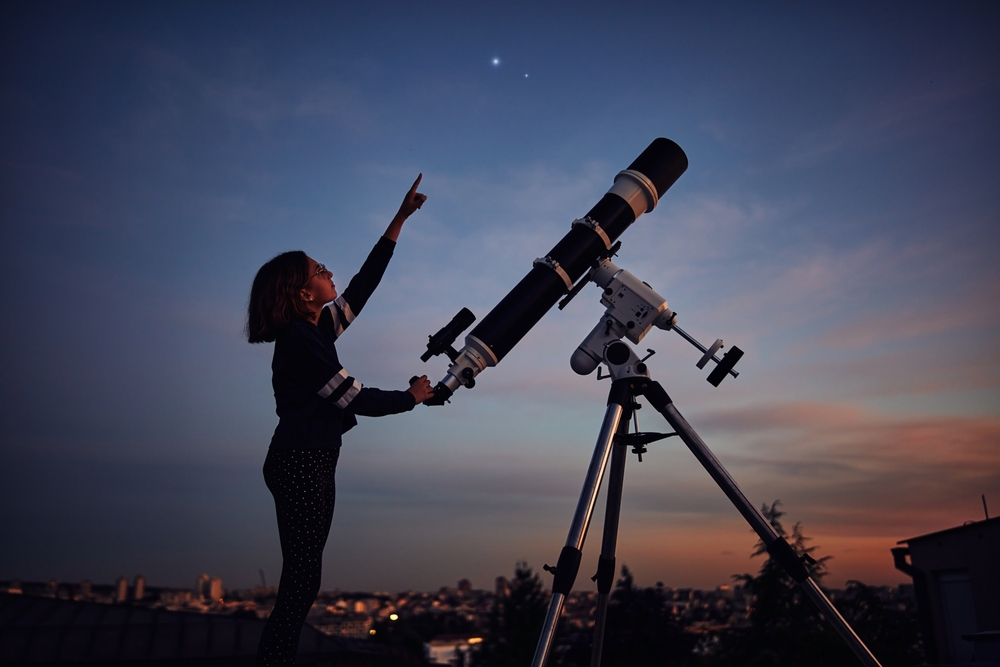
[838,222]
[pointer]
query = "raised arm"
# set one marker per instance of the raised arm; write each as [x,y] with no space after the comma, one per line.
[411,202]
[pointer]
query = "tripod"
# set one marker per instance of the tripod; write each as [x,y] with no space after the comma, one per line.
[629,380]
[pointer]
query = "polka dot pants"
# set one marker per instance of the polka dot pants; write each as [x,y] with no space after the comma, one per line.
[301,481]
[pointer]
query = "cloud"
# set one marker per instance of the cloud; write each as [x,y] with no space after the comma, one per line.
[969,311]
[889,117]
[250,95]
[339,102]
[857,470]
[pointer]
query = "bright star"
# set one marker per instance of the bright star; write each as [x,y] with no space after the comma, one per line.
[496,61]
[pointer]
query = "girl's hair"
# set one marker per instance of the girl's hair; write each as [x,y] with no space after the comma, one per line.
[274,296]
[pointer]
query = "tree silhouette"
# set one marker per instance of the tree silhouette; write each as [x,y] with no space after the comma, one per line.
[515,623]
[889,631]
[785,627]
[641,629]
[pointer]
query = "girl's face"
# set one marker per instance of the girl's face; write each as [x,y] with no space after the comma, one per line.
[320,284]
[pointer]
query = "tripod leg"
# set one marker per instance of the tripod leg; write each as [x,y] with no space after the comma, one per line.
[777,547]
[605,576]
[565,570]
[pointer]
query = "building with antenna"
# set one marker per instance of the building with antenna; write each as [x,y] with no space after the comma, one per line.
[956,580]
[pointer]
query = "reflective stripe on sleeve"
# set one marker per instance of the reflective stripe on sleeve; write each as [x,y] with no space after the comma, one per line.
[346,308]
[349,395]
[342,315]
[332,385]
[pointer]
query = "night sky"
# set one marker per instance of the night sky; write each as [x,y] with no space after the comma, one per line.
[838,222]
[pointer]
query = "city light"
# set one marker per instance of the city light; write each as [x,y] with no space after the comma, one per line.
[393,617]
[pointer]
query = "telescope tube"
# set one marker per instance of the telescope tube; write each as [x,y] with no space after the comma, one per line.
[635,191]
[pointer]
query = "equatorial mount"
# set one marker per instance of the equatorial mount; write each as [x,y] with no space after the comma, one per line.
[633,309]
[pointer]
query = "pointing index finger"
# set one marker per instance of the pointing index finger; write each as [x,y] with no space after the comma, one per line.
[416,182]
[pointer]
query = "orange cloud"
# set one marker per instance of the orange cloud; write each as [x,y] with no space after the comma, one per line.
[855,471]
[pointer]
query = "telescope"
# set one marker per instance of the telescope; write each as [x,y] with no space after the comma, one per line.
[632,309]
[635,190]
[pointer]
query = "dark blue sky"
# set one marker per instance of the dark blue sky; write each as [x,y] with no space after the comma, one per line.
[838,222]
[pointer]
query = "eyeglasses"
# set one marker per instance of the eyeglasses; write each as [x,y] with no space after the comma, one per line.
[321,270]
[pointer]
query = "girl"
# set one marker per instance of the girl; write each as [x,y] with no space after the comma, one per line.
[317,400]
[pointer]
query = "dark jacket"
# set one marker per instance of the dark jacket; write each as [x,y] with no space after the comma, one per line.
[316,398]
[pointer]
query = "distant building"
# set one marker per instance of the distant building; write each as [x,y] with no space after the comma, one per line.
[139,588]
[174,597]
[357,625]
[502,587]
[201,585]
[956,581]
[450,649]
[464,585]
[121,590]
[215,589]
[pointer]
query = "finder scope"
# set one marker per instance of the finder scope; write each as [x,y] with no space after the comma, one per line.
[635,191]
[442,340]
